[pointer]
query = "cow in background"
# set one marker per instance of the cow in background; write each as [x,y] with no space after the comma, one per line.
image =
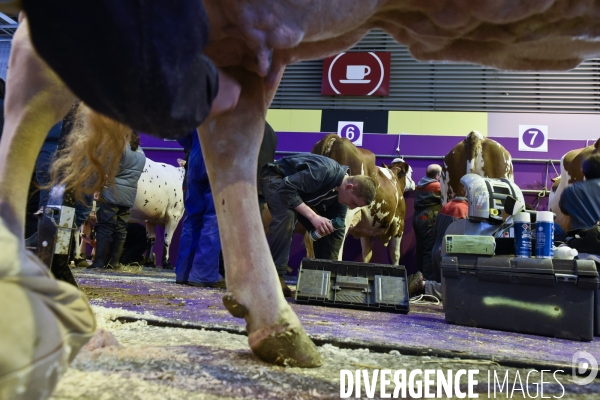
[570,172]
[384,217]
[474,155]
[159,201]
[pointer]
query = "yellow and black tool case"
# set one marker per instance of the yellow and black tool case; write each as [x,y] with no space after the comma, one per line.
[548,297]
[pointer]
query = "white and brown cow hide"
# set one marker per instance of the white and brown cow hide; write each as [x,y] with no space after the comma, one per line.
[474,155]
[159,201]
[254,40]
[570,172]
[384,217]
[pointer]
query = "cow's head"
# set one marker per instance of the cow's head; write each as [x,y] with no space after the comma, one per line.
[555,183]
[403,171]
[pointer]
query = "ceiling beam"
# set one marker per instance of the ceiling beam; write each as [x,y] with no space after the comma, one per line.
[8,19]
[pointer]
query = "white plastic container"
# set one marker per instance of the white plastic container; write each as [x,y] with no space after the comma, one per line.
[544,234]
[565,253]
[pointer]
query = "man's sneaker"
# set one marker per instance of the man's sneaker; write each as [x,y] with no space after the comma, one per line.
[216,285]
[416,284]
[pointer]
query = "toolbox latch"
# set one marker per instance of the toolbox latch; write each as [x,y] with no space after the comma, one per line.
[568,278]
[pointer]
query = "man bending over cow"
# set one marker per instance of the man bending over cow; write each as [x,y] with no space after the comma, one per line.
[581,200]
[312,189]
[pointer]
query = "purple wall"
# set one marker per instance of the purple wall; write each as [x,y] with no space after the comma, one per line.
[419,151]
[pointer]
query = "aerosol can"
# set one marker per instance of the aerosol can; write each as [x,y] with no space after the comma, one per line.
[337,223]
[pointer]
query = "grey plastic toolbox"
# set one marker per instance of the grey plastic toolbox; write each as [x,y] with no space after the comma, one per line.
[353,285]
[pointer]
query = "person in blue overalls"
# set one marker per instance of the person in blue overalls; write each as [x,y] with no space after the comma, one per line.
[200,245]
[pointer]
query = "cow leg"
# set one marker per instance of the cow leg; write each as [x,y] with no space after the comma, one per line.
[44,321]
[394,250]
[230,145]
[36,99]
[77,244]
[352,219]
[170,226]
[151,238]
[79,250]
[165,264]
[367,250]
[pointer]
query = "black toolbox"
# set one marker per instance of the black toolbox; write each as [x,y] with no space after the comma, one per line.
[548,297]
[597,317]
[377,287]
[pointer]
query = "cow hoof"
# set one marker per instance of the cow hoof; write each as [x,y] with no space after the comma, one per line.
[285,346]
[168,266]
[234,308]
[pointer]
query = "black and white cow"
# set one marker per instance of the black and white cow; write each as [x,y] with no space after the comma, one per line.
[159,201]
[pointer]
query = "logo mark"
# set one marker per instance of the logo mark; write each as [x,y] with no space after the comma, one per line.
[583,361]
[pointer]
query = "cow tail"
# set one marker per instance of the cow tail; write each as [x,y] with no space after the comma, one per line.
[472,143]
[309,245]
[324,146]
[91,153]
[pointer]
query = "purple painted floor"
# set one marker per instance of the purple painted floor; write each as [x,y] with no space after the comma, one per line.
[422,331]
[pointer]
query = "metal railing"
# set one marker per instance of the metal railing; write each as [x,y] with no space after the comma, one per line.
[540,192]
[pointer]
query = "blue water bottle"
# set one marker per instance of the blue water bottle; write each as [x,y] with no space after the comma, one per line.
[522,226]
[544,234]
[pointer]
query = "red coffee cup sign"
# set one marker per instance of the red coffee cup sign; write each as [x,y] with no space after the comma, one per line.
[356,74]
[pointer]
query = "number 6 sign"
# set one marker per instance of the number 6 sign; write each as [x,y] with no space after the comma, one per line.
[352,131]
[533,138]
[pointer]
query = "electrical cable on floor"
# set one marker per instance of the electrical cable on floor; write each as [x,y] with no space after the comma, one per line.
[421,299]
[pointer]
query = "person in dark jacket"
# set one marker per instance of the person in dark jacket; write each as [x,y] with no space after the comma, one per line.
[42,165]
[113,210]
[266,155]
[200,244]
[312,189]
[581,200]
[42,174]
[428,202]
[457,208]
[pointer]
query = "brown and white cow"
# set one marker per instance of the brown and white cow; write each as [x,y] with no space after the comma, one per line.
[570,172]
[474,155]
[254,40]
[384,217]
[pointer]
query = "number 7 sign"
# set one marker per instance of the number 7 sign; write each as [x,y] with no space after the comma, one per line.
[533,138]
